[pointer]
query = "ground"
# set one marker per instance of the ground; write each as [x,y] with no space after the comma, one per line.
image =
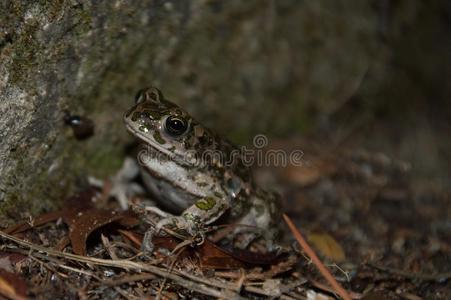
[382,235]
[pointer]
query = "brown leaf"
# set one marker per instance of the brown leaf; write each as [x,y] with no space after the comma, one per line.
[213,257]
[62,244]
[86,222]
[253,258]
[5,264]
[328,246]
[12,286]
[309,174]
[210,255]
[38,221]
[7,260]
[77,202]
[81,220]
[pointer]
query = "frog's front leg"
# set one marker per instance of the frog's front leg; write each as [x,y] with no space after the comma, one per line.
[205,211]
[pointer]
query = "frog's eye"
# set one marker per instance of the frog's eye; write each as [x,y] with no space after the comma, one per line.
[175,126]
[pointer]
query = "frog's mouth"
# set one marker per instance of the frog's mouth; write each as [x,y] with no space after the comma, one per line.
[150,141]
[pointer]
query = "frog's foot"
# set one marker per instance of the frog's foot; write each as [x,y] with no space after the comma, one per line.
[178,223]
[158,212]
[123,187]
[172,222]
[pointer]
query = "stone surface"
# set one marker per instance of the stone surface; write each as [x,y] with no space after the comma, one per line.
[241,66]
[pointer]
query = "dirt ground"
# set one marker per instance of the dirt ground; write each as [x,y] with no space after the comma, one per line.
[388,228]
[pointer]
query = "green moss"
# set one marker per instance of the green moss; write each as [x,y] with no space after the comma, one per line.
[28,54]
[25,55]
[105,161]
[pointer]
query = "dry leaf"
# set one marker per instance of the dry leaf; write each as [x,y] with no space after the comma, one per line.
[213,257]
[5,264]
[86,222]
[328,246]
[312,295]
[76,203]
[310,174]
[81,218]
[12,286]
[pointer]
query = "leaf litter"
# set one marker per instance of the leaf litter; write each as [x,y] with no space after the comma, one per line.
[359,210]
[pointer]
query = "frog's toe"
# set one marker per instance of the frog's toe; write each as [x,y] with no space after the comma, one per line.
[199,237]
[176,223]
[147,245]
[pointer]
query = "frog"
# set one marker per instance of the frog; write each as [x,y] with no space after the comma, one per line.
[197,176]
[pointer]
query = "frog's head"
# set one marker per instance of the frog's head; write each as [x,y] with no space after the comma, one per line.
[165,127]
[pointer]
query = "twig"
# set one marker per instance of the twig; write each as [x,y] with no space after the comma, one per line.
[345,273]
[323,270]
[130,265]
[110,250]
[288,287]
[125,246]
[284,289]
[200,288]
[176,252]
[79,271]
[275,270]
[125,294]
[160,290]
[130,278]
[130,236]
[241,279]
[58,264]
[295,296]
[261,291]
[47,266]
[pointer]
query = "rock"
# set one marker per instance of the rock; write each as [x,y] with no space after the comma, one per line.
[232,64]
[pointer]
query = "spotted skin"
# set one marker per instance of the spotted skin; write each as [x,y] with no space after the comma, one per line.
[184,165]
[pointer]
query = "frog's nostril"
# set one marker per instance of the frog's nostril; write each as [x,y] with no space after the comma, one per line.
[147,114]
